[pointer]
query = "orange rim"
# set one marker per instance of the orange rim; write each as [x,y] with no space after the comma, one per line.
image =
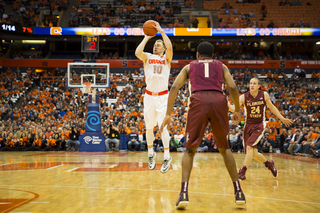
[87,85]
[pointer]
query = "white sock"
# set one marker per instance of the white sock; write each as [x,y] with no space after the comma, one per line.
[165,140]
[150,139]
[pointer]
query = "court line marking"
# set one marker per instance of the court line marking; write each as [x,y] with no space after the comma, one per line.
[161,190]
[6,164]
[55,166]
[39,202]
[73,169]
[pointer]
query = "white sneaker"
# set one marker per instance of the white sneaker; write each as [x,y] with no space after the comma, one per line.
[166,165]
[152,162]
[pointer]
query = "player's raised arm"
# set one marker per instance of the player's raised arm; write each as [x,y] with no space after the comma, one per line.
[233,92]
[167,42]
[139,51]
[177,84]
[275,111]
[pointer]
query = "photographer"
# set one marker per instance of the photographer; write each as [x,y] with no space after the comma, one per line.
[133,139]
[113,137]
[174,144]
[204,145]
[157,144]
[74,139]
[265,144]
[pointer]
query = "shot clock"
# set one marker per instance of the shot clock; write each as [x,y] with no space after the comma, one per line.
[90,43]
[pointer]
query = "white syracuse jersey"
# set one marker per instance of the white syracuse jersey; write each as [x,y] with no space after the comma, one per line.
[156,71]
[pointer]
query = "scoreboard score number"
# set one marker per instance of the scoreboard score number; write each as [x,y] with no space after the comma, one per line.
[90,43]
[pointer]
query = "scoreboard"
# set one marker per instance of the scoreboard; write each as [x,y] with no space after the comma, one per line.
[90,43]
[16,28]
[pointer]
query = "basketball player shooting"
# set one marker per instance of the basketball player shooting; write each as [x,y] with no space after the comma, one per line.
[208,104]
[255,102]
[157,70]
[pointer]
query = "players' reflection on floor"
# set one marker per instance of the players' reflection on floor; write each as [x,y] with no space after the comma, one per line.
[152,205]
[276,185]
[166,205]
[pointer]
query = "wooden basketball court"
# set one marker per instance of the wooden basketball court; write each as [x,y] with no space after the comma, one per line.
[121,182]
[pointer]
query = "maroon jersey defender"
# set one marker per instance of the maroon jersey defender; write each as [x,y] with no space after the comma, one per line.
[208,104]
[255,118]
[255,102]
[205,74]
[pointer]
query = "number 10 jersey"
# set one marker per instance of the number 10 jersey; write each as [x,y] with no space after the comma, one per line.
[156,71]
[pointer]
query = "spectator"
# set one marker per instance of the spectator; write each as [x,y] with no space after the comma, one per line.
[133,139]
[235,11]
[208,23]
[195,22]
[74,139]
[113,137]
[281,3]
[271,24]
[297,70]
[287,3]
[263,10]
[233,140]
[242,16]
[204,145]
[157,144]
[174,144]
[265,144]
[304,142]
[283,140]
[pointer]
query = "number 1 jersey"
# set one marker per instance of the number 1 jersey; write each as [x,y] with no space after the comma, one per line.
[255,107]
[156,71]
[205,74]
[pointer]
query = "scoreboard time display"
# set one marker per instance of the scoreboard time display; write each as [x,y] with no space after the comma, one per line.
[90,43]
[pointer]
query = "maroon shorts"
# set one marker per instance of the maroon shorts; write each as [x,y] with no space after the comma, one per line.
[252,134]
[207,106]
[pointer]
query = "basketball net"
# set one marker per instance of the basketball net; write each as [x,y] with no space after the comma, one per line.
[87,89]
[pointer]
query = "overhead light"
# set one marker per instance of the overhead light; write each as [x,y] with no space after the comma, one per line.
[318,42]
[58,16]
[33,41]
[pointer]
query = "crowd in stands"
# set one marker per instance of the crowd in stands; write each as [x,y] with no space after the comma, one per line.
[29,52]
[127,13]
[50,111]
[27,12]
[270,14]
[7,18]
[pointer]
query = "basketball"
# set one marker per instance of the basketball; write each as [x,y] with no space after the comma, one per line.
[149,29]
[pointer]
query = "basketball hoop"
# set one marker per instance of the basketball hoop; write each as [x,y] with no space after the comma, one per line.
[87,87]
